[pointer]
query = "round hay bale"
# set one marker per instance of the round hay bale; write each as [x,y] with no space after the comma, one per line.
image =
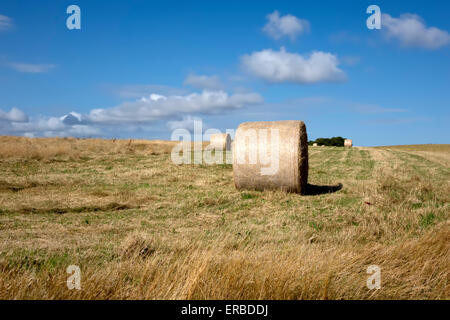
[314,144]
[348,143]
[271,155]
[220,141]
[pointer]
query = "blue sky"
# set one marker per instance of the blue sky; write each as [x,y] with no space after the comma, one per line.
[139,69]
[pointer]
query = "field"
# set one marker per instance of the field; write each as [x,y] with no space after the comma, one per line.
[141,227]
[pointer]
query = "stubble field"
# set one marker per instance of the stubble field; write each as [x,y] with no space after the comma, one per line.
[141,227]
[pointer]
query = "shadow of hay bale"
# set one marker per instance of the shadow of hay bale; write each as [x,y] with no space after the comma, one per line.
[314,190]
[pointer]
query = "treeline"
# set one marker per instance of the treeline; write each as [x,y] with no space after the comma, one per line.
[329,142]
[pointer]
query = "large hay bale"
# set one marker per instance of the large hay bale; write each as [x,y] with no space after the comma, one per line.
[315,144]
[220,141]
[348,143]
[271,155]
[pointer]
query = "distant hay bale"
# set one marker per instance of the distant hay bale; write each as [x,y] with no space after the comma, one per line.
[315,144]
[271,155]
[348,143]
[220,141]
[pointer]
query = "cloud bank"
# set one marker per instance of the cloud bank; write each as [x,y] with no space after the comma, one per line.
[178,110]
[155,107]
[14,115]
[16,122]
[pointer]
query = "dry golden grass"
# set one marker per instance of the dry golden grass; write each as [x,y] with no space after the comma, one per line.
[75,148]
[435,152]
[141,227]
[445,148]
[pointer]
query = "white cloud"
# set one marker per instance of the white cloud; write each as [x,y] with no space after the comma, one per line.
[411,31]
[82,131]
[281,66]
[157,107]
[31,68]
[203,82]
[288,25]
[5,22]
[16,122]
[52,127]
[14,115]
[153,97]
[39,125]
[179,111]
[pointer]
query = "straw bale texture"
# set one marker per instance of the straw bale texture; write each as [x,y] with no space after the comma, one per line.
[288,156]
[348,143]
[220,141]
